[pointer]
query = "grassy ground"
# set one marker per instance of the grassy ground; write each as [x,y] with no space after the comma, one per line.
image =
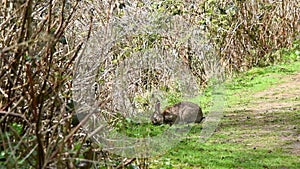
[260,127]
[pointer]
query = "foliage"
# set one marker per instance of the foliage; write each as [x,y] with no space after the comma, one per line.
[245,32]
[35,84]
[41,40]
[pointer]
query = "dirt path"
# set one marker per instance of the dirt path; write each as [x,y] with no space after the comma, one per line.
[271,119]
[283,96]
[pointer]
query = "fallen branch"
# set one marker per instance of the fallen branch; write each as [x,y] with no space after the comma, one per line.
[125,163]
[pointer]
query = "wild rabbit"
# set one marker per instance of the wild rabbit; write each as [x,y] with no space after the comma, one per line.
[182,112]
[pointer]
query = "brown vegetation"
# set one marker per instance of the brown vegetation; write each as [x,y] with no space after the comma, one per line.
[40,41]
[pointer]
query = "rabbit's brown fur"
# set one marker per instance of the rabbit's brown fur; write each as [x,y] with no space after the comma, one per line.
[182,112]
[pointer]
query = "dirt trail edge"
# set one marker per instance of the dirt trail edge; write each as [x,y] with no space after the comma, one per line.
[271,119]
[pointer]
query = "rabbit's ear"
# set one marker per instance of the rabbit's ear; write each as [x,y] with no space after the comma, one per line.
[157,106]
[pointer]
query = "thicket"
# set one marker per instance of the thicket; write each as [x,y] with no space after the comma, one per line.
[40,42]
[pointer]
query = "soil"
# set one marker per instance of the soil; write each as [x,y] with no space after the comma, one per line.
[270,119]
[276,97]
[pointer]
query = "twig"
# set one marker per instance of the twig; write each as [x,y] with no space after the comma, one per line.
[15,115]
[125,163]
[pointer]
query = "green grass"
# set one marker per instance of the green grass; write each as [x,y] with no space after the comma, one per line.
[240,86]
[191,154]
[141,130]
[236,144]
[255,80]
[241,140]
